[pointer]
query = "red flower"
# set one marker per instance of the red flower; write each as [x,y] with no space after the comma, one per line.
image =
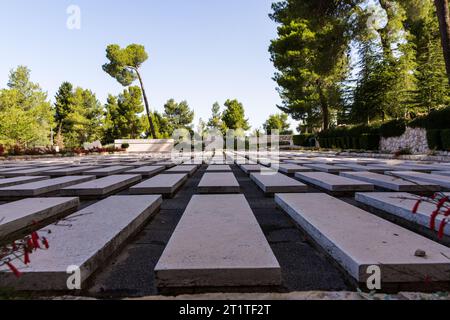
[433,219]
[26,256]
[14,270]
[30,245]
[35,239]
[441,202]
[441,229]
[416,206]
[45,242]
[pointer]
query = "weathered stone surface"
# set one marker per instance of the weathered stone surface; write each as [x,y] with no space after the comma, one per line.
[391,183]
[42,187]
[21,215]
[333,183]
[218,168]
[401,205]
[165,184]
[147,171]
[278,182]
[87,241]
[443,181]
[220,182]
[107,171]
[327,168]
[357,240]
[20,180]
[189,169]
[218,242]
[102,187]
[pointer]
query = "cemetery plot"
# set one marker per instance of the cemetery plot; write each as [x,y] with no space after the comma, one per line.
[107,171]
[20,180]
[443,181]
[221,182]
[147,171]
[189,169]
[273,183]
[165,184]
[327,168]
[333,183]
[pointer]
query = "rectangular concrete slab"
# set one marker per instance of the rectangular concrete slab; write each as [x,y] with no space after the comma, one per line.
[29,172]
[147,171]
[165,184]
[333,183]
[442,173]
[90,238]
[102,187]
[189,169]
[217,243]
[107,171]
[443,181]
[289,168]
[218,168]
[218,182]
[359,167]
[327,168]
[43,187]
[278,182]
[20,180]
[401,204]
[357,240]
[24,214]
[392,183]
[249,168]
[68,171]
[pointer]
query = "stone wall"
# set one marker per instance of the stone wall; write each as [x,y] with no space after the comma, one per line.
[414,139]
[156,145]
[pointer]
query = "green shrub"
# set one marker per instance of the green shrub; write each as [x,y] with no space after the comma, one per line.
[304,140]
[369,142]
[445,137]
[394,128]
[125,145]
[434,139]
[355,143]
[436,119]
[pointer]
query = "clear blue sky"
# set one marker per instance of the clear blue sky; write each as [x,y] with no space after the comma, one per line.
[201,51]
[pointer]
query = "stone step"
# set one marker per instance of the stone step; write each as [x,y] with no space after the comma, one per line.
[217,243]
[102,187]
[357,240]
[392,183]
[22,215]
[401,204]
[327,168]
[42,187]
[277,183]
[147,171]
[189,169]
[69,171]
[20,180]
[218,168]
[443,181]
[90,238]
[108,171]
[333,183]
[165,184]
[219,182]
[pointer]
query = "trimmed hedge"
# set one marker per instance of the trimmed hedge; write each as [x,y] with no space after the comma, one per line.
[304,140]
[434,139]
[369,142]
[394,128]
[445,137]
[436,119]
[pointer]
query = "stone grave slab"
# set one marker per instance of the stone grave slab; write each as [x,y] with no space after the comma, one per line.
[102,187]
[277,183]
[218,243]
[147,171]
[189,169]
[29,172]
[218,168]
[68,171]
[357,240]
[42,187]
[333,183]
[327,168]
[219,182]
[107,171]
[20,180]
[93,235]
[443,181]
[165,184]
[290,168]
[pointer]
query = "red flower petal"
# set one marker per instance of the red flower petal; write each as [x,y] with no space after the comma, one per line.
[441,229]
[416,206]
[433,219]
[45,242]
[441,202]
[26,259]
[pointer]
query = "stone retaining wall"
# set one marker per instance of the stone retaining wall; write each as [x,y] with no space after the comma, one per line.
[414,139]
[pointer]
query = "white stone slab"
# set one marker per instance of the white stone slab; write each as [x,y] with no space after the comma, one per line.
[22,215]
[103,186]
[334,183]
[443,181]
[401,204]
[90,238]
[42,187]
[327,168]
[8,169]
[359,167]
[218,168]
[392,183]
[249,168]
[68,171]
[219,182]
[189,169]
[165,184]
[278,182]
[20,180]
[218,243]
[357,240]
[289,168]
[108,171]
[147,171]
[29,172]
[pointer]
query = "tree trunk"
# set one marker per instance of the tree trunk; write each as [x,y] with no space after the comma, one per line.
[384,33]
[147,107]
[325,110]
[443,13]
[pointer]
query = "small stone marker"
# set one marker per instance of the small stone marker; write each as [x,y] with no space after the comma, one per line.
[217,243]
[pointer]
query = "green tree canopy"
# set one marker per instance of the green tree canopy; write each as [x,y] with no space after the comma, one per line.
[278,122]
[178,115]
[233,116]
